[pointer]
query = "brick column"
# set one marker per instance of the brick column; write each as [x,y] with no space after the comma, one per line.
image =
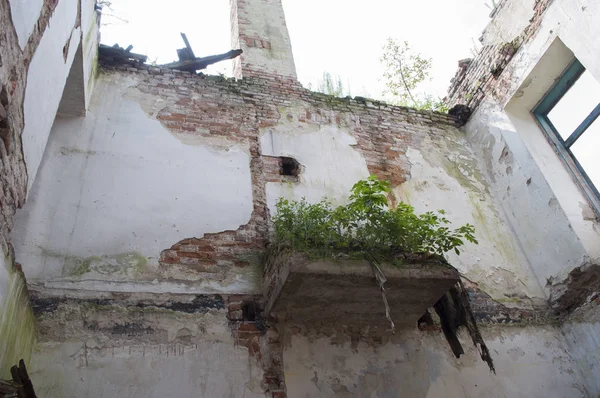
[258,28]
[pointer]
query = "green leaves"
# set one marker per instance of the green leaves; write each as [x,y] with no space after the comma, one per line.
[404,71]
[366,224]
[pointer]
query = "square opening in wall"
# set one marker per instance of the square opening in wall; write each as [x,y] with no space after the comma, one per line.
[249,311]
[289,167]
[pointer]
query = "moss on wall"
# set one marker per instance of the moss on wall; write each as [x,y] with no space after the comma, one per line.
[17,324]
[128,263]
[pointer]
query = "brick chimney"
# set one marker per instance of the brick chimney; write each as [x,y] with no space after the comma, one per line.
[258,28]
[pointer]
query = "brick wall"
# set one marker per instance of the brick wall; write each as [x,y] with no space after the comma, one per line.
[237,110]
[258,27]
[490,73]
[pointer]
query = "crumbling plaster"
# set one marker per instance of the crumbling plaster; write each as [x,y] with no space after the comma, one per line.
[547,211]
[329,171]
[117,183]
[151,136]
[109,351]
[530,362]
[446,176]
[25,14]
[550,217]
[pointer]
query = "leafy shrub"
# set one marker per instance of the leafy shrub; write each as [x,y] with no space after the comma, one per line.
[366,225]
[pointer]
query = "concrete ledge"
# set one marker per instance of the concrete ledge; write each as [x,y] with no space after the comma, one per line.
[345,292]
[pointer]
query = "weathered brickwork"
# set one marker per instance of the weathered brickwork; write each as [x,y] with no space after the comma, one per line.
[490,72]
[259,29]
[237,110]
[261,338]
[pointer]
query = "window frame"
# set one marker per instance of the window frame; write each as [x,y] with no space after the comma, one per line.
[562,147]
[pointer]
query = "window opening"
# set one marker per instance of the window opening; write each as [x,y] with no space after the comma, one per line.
[568,115]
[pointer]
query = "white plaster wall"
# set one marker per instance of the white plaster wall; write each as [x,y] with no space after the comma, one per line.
[446,176]
[539,223]
[530,362]
[546,209]
[117,182]
[206,369]
[330,163]
[509,22]
[46,79]
[583,340]
[25,14]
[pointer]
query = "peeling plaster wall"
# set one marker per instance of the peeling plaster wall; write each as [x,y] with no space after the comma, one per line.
[99,220]
[330,171]
[530,362]
[541,225]
[583,340]
[90,351]
[547,211]
[551,218]
[445,176]
[47,75]
[116,188]
[208,369]
[168,185]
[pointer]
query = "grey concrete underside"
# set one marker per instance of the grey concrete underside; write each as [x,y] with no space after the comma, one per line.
[346,292]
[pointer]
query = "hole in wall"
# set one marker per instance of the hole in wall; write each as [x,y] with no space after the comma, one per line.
[289,167]
[249,311]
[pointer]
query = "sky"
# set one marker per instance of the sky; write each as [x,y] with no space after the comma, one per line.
[342,37]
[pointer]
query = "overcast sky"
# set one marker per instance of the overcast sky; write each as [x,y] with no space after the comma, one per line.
[343,37]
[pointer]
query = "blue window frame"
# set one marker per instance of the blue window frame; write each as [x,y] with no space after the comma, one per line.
[568,116]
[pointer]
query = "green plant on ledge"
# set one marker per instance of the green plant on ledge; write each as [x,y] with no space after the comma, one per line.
[366,227]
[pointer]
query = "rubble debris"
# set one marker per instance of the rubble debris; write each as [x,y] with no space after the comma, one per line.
[190,63]
[582,285]
[454,311]
[120,53]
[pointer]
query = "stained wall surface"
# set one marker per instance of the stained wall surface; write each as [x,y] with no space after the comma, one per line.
[531,362]
[143,234]
[40,42]
[525,49]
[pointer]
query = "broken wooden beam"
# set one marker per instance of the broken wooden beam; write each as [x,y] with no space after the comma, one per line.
[201,63]
[22,381]
[121,53]
[186,54]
